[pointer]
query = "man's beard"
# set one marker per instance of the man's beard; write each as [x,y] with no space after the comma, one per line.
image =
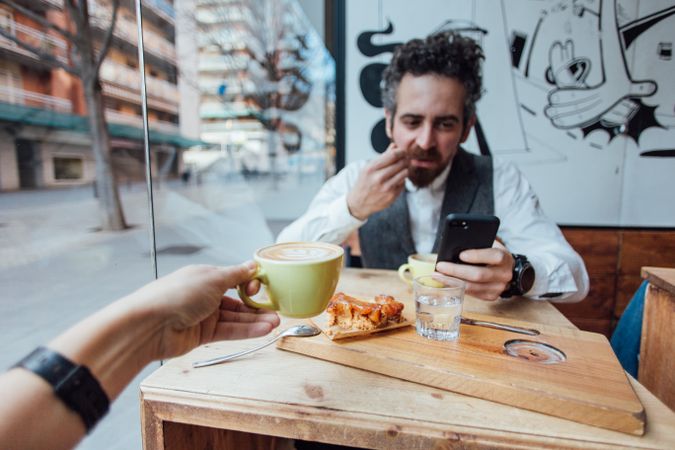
[420,176]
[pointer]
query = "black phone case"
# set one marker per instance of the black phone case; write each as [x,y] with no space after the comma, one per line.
[466,231]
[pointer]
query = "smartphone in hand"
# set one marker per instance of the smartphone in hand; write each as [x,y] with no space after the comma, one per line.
[466,231]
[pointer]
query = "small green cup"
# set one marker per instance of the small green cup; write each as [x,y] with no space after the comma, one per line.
[418,265]
[299,277]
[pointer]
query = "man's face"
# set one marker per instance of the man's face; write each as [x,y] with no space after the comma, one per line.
[429,124]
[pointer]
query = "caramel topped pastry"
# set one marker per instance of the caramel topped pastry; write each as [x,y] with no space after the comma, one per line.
[353,314]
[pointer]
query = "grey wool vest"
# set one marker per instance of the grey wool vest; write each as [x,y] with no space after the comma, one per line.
[386,240]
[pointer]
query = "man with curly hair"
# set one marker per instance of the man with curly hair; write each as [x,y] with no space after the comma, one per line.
[397,200]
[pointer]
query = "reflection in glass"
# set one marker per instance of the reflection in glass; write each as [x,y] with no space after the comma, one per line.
[257,88]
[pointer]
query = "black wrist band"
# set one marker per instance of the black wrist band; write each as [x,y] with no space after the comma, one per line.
[72,383]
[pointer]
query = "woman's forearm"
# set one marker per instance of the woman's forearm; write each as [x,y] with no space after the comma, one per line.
[114,344]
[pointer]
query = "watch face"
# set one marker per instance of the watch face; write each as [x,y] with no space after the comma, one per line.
[527,278]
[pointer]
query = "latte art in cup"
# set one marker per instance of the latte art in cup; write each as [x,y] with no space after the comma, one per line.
[299,277]
[299,252]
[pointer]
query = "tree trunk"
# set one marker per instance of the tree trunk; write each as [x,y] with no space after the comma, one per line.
[110,207]
[273,147]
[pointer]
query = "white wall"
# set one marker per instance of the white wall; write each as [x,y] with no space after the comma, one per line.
[582,135]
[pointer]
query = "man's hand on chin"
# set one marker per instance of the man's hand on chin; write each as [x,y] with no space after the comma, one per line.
[379,183]
[486,281]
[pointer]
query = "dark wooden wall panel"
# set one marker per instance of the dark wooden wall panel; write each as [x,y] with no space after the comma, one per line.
[600,301]
[600,250]
[594,325]
[645,248]
[639,248]
[613,259]
[625,288]
[598,247]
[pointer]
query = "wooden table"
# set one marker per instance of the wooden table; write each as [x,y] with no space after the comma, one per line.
[258,400]
[657,363]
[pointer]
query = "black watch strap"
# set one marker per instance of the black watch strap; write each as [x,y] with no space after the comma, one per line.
[73,384]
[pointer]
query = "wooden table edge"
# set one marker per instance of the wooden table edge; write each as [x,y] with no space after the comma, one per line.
[328,425]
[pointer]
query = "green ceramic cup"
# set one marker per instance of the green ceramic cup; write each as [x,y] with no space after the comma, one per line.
[418,265]
[299,277]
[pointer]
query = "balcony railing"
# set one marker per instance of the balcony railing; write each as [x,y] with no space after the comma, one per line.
[47,43]
[156,44]
[223,62]
[130,78]
[40,5]
[230,42]
[163,9]
[111,90]
[232,86]
[137,121]
[234,15]
[127,31]
[54,3]
[221,110]
[231,125]
[17,96]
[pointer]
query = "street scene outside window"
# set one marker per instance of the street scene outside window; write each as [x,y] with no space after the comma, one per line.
[240,108]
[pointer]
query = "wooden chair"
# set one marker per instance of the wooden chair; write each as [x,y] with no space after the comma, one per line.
[657,364]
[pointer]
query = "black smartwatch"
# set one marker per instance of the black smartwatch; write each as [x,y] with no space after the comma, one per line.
[522,278]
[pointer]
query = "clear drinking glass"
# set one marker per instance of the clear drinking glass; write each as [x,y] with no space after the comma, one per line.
[438,307]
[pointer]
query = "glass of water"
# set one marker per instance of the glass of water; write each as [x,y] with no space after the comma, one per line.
[438,307]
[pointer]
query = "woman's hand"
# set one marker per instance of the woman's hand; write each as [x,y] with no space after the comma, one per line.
[195,311]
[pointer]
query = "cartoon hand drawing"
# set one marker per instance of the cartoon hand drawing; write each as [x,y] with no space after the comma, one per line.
[574,104]
[566,70]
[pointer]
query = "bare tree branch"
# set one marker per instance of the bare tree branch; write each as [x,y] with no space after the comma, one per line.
[38,18]
[46,57]
[75,15]
[83,46]
[107,40]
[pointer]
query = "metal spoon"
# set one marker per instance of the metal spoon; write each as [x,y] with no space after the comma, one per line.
[500,326]
[298,331]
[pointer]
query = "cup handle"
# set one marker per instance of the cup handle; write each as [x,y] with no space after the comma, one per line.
[241,290]
[402,271]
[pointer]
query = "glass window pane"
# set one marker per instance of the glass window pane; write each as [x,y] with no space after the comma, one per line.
[73,202]
[256,87]
[68,168]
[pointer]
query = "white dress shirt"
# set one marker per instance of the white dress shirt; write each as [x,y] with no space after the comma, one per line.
[524,228]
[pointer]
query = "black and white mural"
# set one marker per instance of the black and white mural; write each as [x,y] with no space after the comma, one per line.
[580,94]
